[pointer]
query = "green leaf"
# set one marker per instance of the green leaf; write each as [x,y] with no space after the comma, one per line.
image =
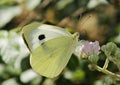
[28,76]
[93,58]
[12,48]
[78,75]
[109,49]
[73,63]
[11,81]
[6,2]
[8,13]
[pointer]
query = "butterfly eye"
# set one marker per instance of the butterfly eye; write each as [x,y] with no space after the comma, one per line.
[41,37]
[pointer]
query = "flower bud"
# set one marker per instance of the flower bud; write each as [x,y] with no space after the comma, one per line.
[93,58]
[91,67]
[109,48]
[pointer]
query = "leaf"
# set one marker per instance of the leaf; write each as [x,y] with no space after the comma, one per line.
[12,48]
[28,75]
[11,81]
[8,13]
[73,63]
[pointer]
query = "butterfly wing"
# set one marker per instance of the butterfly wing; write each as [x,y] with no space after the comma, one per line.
[50,58]
[32,32]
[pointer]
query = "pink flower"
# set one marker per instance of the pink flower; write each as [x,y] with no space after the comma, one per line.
[88,48]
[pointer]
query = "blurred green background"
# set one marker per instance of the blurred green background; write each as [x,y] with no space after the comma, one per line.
[94,19]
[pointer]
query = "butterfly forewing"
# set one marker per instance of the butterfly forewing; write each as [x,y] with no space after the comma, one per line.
[35,34]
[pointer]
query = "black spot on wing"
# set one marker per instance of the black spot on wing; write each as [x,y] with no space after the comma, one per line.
[41,37]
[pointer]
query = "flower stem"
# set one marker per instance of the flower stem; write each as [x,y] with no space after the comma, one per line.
[106,71]
[106,63]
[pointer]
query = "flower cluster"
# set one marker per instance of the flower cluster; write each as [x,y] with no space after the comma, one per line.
[86,48]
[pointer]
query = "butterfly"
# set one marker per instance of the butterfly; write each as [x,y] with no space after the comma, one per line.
[50,46]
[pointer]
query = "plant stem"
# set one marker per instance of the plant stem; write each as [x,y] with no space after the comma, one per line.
[106,71]
[106,63]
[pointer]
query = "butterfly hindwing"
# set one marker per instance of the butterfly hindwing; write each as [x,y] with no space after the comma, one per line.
[50,58]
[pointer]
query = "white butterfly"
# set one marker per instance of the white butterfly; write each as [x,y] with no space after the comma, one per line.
[51,48]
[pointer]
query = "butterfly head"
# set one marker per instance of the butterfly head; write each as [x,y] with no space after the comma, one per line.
[76,35]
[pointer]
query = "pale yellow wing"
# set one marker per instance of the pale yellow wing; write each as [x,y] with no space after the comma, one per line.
[31,33]
[50,58]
